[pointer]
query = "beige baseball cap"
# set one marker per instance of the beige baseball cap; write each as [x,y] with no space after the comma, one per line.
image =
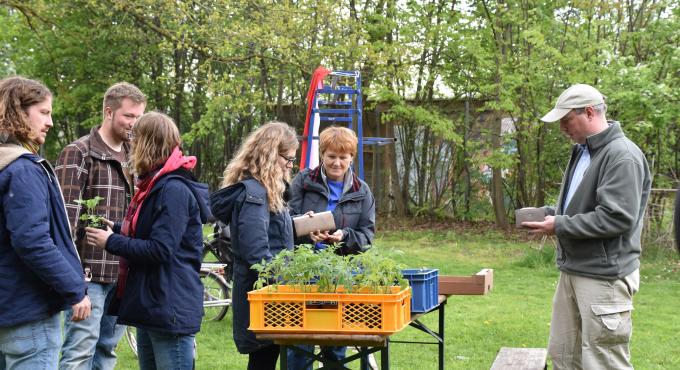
[577,96]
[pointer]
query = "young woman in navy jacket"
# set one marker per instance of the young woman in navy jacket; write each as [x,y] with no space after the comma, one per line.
[160,245]
[252,203]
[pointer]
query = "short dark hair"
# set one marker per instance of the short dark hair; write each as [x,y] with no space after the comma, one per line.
[117,92]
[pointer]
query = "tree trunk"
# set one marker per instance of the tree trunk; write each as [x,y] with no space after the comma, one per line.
[497,194]
[179,58]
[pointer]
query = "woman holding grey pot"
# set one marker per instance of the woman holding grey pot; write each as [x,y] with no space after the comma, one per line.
[333,186]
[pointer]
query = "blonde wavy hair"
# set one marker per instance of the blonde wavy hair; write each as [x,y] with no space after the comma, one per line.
[154,136]
[258,157]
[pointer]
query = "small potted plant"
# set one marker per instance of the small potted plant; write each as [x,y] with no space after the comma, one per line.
[90,218]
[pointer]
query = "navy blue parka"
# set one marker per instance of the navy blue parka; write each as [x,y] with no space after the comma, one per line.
[164,291]
[40,272]
[256,234]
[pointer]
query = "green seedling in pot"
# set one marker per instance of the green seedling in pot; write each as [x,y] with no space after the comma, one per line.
[89,217]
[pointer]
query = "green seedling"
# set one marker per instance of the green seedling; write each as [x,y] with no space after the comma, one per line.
[89,217]
[303,268]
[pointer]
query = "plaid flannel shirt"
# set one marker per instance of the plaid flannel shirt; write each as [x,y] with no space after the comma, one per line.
[87,168]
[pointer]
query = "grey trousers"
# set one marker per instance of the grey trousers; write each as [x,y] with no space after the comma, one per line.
[591,322]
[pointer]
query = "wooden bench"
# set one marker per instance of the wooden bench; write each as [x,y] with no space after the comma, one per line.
[520,359]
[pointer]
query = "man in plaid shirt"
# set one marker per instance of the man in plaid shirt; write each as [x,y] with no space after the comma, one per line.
[97,165]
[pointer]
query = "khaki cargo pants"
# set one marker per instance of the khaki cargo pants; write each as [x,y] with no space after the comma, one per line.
[591,322]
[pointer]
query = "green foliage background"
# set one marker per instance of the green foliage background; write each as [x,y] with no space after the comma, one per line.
[222,67]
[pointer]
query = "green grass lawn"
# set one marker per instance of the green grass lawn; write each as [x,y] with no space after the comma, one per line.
[516,313]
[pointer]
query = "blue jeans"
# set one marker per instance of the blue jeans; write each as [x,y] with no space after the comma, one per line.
[91,343]
[164,351]
[298,361]
[31,346]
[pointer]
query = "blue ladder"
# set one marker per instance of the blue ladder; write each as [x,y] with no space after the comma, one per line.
[342,104]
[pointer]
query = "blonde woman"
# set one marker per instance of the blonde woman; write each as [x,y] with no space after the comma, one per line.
[252,203]
[160,245]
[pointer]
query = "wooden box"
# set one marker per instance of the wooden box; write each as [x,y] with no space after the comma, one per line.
[477,284]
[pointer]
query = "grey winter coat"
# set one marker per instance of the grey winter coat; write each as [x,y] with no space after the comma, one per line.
[599,232]
[354,213]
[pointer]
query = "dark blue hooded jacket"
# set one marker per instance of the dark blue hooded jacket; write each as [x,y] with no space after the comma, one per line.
[164,291]
[256,235]
[40,273]
[354,213]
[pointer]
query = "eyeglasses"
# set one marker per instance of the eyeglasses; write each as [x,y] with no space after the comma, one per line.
[289,160]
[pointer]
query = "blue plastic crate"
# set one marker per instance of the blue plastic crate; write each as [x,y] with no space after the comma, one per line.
[424,288]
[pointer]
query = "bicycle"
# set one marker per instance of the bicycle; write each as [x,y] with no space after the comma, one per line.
[216,291]
[215,276]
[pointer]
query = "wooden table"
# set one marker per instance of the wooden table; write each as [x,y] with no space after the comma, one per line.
[366,343]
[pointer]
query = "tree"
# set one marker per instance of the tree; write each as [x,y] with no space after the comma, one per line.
[450,74]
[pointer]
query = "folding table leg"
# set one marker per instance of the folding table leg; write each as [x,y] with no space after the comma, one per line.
[363,363]
[385,356]
[283,352]
[441,335]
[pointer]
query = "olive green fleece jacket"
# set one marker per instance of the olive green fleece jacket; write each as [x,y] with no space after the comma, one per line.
[599,232]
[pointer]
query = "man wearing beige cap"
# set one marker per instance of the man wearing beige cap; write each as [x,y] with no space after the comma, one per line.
[598,222]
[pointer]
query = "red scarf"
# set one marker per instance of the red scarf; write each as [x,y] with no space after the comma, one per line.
[174,162]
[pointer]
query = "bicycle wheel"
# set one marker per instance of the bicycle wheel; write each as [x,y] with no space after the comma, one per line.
[207,250]
[131,336]
[216,293]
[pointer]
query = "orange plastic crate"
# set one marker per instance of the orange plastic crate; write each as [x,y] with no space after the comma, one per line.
[285,309]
